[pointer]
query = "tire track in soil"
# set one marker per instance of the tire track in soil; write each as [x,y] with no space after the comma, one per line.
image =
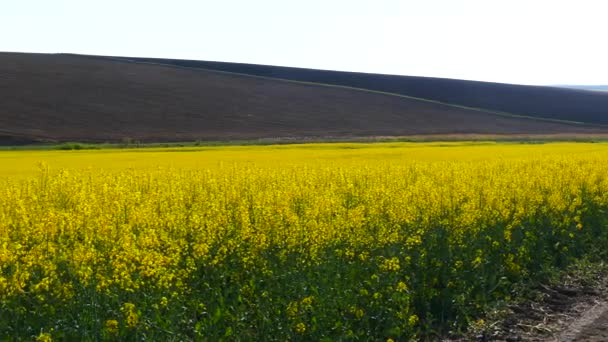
[590,327]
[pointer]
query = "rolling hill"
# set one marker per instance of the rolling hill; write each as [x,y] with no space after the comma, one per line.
[586,87]
[538,101]
[60,97]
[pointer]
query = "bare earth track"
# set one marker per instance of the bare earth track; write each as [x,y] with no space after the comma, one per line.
[592,326]
[78,98]
[574,309]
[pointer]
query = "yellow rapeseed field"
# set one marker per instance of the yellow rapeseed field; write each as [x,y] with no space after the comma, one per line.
[335,241]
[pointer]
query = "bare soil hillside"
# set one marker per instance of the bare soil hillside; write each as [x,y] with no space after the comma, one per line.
[581,105]
[76,98]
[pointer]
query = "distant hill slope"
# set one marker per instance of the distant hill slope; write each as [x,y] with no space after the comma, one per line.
[546,102]
[76,98]
[586,87]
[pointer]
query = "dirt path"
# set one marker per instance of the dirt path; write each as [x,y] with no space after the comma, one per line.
[574,308]
[592,326]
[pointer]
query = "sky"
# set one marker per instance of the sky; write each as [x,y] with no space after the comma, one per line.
[538,42]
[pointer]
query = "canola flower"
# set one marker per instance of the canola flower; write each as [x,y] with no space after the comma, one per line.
[111,326]
[44,337]
[314,241]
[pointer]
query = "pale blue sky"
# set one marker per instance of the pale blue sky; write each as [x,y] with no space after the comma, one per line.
[516,41]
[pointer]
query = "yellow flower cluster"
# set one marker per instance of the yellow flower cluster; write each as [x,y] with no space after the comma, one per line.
[130,314]
[111,326]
